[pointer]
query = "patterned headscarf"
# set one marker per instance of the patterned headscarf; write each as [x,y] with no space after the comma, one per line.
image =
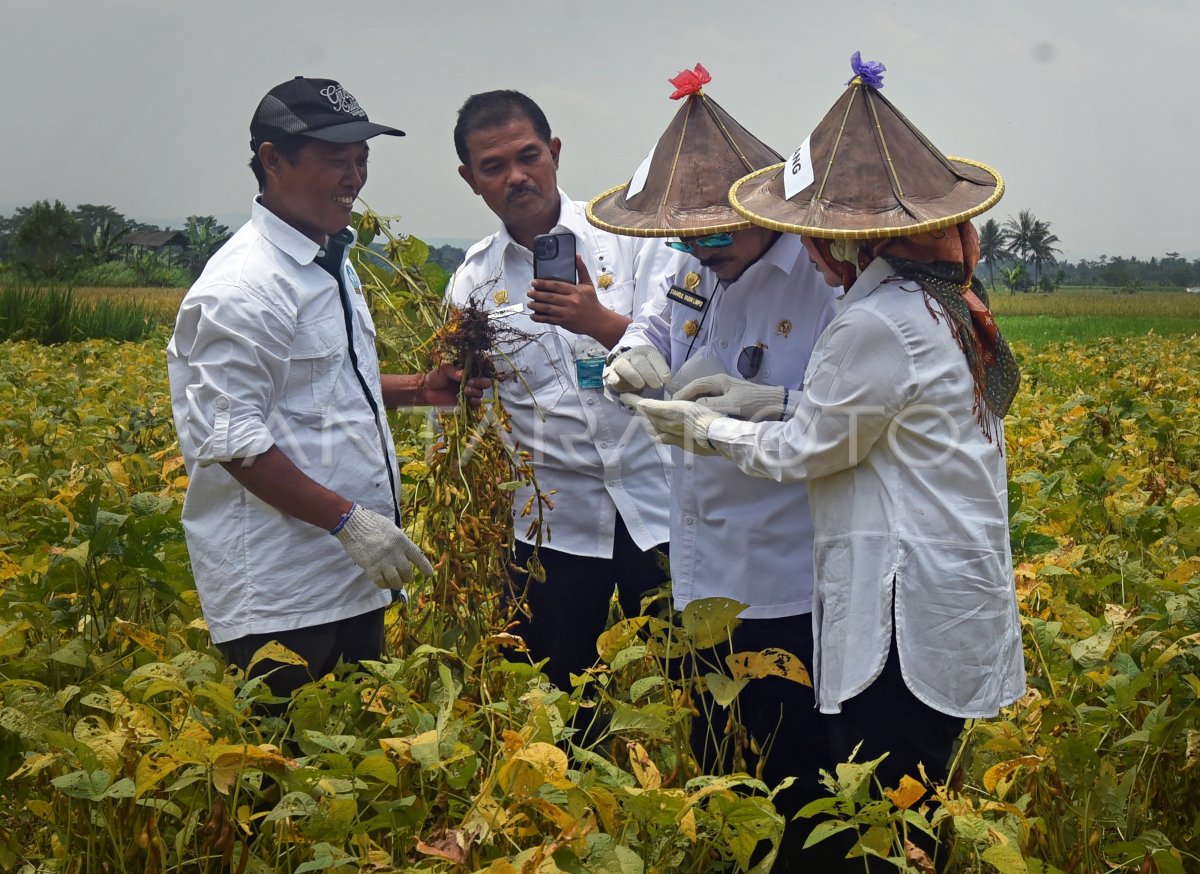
[943,264]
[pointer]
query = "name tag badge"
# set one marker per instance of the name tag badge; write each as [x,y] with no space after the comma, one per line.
[589,363]
[687,298]
[590,372]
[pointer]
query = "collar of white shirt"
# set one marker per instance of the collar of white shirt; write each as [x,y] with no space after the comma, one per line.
[283,236]
[567,217]
[870,279]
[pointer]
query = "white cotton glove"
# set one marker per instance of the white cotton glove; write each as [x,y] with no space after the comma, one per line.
[635,369]
[694,368]
[738,398]
[680,423]
[381,549]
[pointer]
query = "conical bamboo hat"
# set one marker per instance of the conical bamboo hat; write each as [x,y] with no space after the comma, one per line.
[682,188]
[866,172]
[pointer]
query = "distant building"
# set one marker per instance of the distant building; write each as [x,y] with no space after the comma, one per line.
[155,241]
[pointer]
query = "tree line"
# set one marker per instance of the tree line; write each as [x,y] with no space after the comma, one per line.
[46,241]
[1024,252]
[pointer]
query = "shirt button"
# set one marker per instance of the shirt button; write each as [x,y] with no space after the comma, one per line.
[591,401]
[724,344]
[603,444]
[690,520]
[221,403]
[766,373]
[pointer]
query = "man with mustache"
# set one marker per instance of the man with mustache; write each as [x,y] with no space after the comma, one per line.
[278,402]
[744,301]
[606,479]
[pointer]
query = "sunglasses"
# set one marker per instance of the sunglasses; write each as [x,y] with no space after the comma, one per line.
[712,241]
[750,361]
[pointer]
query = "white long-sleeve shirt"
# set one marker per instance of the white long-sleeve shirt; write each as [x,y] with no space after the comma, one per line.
[732,535]
[909,501]
[596,457]
[259,358]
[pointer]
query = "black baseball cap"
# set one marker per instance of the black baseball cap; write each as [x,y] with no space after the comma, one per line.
[317,108]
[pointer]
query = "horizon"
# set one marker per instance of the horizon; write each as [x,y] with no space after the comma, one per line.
[1073,102]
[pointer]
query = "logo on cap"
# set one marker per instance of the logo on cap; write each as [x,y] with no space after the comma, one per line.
[342,100]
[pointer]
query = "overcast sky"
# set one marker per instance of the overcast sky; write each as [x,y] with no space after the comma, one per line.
[1088,109]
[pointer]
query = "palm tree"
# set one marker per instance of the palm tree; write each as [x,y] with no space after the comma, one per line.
[1021,232]
[205,236]
[993,246]
[103,243]
[1042,249]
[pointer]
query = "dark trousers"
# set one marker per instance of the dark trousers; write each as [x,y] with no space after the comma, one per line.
[887,718]
[322,646]
[563,616]
[781,719]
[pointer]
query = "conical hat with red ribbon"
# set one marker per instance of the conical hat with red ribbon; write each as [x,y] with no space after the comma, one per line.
[866,172]
[682,187]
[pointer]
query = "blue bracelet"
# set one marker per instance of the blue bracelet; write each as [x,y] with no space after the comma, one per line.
[345,518]
[783,415]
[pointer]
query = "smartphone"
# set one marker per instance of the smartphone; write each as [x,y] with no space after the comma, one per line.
[554,256]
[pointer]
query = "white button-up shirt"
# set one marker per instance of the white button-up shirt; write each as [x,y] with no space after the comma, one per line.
[596,457]
[910,504]
[259,358]
[732,535]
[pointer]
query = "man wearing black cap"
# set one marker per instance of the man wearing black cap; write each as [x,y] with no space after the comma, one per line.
[278,402]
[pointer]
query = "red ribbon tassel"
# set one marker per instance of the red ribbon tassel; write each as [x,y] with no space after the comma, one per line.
[690,81]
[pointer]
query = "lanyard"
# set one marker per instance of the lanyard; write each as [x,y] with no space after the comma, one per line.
[331,260]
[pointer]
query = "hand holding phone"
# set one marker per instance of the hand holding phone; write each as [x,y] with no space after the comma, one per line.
[554,256]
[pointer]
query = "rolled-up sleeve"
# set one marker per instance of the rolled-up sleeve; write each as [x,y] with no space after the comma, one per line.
[228,362]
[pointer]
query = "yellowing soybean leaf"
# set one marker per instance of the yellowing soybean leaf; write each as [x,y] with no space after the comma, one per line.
[687,824]
[768,663]
[276,652]
[229,761]
[908,793]
[647,773]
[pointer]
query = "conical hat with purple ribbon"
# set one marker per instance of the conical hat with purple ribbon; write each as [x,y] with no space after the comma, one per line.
[866,172]
[681,189]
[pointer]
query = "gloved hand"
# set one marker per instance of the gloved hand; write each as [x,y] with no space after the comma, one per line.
[738,398]
[680,423]
[635,369]
[381,549]
[693,368]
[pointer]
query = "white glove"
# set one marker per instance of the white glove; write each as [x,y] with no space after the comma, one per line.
[680,423]
[635,369]
[735,397]
[694,368]
[381,549]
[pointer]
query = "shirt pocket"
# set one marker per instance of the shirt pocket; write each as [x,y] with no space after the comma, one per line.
[618,297]
[530,364]
[316,357]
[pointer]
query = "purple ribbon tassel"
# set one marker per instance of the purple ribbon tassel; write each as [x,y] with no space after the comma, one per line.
[870,72]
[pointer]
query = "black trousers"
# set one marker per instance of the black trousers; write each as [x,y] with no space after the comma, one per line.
[323,646]
[568,611]
[887,718]
[781,718]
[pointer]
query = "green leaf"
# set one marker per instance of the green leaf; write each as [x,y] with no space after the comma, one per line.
[1092,652]
[74,653]
[83,784]
[626,718]
[710,621]
[645,686]
[723,689]
[1006,860]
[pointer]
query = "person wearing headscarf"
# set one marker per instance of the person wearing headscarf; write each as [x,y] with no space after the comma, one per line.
[898,434]
[739,300]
